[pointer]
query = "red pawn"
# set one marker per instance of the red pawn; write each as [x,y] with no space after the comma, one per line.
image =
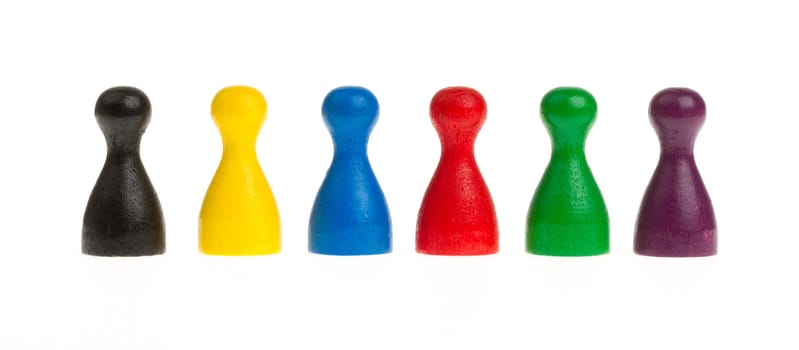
[457,216]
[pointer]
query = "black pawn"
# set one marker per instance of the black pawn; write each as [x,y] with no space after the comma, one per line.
[123,216]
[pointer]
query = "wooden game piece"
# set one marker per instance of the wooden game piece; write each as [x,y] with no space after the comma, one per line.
[123,216]
[457,214]
[350,215]
[676,218]
[567,215]
[239,215]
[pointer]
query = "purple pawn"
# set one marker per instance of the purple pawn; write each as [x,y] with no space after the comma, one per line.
[676,217]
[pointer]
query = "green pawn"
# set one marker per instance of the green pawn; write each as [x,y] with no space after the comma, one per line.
[568,216]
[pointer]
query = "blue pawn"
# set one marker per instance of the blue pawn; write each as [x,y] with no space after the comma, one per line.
[350,215]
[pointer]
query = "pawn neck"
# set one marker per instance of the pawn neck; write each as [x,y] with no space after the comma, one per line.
[568,147]
[115,144]
[238,149]
[568,142]
[350,145]
[457,142]
[566,138]
[676,153]
[684,148]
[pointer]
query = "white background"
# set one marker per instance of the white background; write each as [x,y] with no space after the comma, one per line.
[56,57]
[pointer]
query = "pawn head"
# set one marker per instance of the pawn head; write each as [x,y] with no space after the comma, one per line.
[457,110]
[350,111]
[239,111]
[568,108]
[123,113]
[677,114]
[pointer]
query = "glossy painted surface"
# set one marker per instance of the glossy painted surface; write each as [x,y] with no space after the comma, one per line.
[350,215]
[567,216]
[457,214]
[239,215]
[676,217]
[123,216]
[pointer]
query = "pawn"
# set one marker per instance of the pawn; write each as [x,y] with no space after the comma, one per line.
[350,215]
[457,215]
[123,216]
[239,215]
[676,217]
[567,216]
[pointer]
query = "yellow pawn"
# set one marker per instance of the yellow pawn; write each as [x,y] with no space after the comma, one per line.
[239,214]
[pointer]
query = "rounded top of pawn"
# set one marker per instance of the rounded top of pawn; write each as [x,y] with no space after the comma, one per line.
[121,108]
[568,108]
[677,114]
[458,109]
[350,109]
[677,104]
[239,109]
